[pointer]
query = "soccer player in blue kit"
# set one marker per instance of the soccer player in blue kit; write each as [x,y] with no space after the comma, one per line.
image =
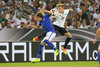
[44,20]
[94,41]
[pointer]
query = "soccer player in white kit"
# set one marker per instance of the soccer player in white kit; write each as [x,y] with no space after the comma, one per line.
[60,24]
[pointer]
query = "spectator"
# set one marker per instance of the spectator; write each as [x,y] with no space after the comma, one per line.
[72,26]
[18,3]
[7,14]
[43,4]
[20,22]
[2,2]
[2,8]
[78,25]
[3,21]
[49,6]
[28,21]
[78,18]
[11,21]
[84,24]
[92,8]
[86,12]
[96,15]
[33,21]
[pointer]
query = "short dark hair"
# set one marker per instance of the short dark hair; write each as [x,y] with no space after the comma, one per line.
[82,4]
[40,15]
[97,10]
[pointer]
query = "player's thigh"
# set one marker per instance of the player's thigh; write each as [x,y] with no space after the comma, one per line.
[49,36]
[55,27]
[43,43]
[62,31]
[52,36]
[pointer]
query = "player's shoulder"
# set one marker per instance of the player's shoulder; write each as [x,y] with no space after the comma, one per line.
[66,10]
[46,16]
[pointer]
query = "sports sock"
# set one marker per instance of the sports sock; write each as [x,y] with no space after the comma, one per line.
[50,44]
[42,35]
[67,41]
[40,51]
[99,57]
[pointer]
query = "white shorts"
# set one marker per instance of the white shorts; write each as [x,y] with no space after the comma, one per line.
[49,36]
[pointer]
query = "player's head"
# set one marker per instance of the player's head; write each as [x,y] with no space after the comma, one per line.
[39,16]
[60,7]
[97,11]
[19,16]
[11,16]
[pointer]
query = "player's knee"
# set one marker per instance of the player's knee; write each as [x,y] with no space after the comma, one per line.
[68,34]
[43,43]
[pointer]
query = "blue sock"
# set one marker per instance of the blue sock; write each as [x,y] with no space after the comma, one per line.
[50,44]
[40,51]
[99,57]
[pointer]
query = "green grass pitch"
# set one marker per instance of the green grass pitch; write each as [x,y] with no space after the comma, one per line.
[52,64]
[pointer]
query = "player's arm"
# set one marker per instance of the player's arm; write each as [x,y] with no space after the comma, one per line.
[97,34]
[35,26]
[65,24]
[71,10]
[48,12]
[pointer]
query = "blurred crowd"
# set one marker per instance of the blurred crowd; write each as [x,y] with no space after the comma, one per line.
[21,13]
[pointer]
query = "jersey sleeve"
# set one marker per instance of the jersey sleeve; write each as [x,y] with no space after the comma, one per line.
[99,25]
[47,15]
[67,11]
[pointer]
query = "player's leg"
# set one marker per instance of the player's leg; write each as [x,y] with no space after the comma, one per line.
[99,54]
[52,46]
[48,38]
[39,52]
[40,36]
[69,36]
[40,49]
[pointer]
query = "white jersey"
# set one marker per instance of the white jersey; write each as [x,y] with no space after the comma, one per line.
[60,18]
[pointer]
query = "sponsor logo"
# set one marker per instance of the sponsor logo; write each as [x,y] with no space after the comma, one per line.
[27,51]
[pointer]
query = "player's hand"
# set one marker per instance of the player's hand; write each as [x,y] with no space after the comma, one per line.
[35,39]
[71,10]
[94,41]
[36,26]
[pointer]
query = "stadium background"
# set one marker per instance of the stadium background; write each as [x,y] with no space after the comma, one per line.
[16,37]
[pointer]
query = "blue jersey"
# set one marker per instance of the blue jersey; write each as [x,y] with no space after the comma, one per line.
[47,24]
[98,24]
